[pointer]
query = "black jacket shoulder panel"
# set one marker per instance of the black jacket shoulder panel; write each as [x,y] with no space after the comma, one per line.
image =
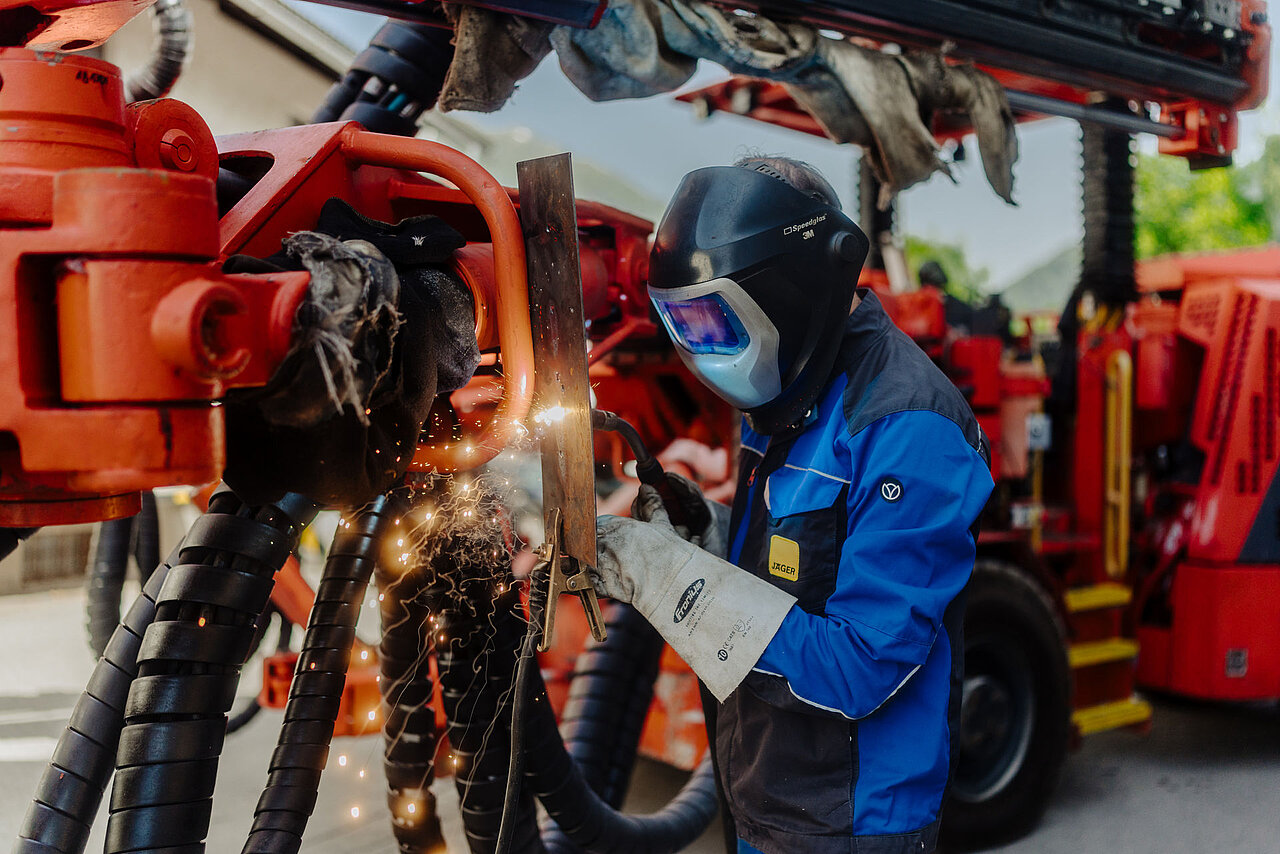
[888,373]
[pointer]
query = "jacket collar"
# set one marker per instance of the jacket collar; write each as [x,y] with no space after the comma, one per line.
[866,325]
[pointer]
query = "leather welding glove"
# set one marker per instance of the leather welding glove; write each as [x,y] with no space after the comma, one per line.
[713,537]
[717,617]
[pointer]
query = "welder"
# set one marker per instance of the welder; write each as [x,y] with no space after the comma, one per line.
[824,610]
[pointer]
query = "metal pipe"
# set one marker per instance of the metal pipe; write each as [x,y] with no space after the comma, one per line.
[1031,103]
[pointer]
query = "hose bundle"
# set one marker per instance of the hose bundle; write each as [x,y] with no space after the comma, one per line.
[188,665]
[129,682]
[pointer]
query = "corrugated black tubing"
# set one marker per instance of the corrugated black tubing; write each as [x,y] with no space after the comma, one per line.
[67,797]
[393,81]
[409,731]
[293,777]
[188,665]
[116,538]
[479,634]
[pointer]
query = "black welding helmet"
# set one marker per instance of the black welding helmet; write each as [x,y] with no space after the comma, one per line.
[753,280]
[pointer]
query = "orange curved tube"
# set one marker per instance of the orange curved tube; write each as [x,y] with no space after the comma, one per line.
[512,310]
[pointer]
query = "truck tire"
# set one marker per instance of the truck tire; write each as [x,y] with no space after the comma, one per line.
[1015,720]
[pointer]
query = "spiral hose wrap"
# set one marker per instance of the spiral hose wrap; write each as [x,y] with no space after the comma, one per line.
[293,777]
[188,665]
[409,732]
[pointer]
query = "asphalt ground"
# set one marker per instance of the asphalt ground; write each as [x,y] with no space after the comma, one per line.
[1203,780]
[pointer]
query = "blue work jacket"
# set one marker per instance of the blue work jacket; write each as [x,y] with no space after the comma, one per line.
[840,739]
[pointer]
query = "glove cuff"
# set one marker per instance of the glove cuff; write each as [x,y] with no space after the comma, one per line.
[719,618]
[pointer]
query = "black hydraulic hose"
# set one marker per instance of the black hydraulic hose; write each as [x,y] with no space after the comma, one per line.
[188,665]
[146,536]
[67,798]
[393,81]
[116,538]
[172,22]
[239,719]
[479,627]
[588,821]
[11,537]
[409,729]
[293,778]
[609,698]
[106,581]
[603,718]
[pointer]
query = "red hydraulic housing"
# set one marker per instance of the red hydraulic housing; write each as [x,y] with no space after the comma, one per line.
[125,328]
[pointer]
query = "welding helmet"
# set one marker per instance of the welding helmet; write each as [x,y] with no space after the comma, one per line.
[753,279]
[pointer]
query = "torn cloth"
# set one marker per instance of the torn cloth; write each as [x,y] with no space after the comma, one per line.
[383,329]
[883,102]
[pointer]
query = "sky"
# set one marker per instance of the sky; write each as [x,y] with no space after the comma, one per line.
[655,141]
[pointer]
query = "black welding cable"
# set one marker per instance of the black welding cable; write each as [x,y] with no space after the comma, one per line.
[188,666]
[603,717]
[519,710]
[588,821]
[303,748]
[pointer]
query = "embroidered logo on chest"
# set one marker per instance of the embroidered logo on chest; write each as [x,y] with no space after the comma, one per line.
[891,490]
[784,558]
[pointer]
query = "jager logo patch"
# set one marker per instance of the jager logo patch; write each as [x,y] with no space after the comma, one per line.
[784,558]
[891,490]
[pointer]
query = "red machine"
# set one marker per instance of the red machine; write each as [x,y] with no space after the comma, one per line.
[1151,514]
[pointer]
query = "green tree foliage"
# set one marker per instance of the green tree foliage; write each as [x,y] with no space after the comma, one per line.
[1177,210]
[963,282]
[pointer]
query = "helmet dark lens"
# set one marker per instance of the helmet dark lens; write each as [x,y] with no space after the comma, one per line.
[703,325]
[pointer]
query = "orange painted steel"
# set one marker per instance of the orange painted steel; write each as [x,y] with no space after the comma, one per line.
[124,331]
[298,169]
[512,290]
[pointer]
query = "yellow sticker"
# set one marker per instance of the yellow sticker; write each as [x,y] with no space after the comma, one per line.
[784,558]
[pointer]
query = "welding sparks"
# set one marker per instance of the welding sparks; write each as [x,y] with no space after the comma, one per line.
[355,812]
[551,414]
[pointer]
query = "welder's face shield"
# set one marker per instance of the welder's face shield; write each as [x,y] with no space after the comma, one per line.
[724,338]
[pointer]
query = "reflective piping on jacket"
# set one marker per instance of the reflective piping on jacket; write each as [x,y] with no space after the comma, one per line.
[815,471]
[839,712]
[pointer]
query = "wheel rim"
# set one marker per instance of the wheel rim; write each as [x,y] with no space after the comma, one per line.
[997,715]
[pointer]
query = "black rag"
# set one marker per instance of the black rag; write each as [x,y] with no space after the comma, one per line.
[383,329]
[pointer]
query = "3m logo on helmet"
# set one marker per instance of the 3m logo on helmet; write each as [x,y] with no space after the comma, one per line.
[690,596]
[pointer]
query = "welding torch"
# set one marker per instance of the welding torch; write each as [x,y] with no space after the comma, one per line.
[687,510]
